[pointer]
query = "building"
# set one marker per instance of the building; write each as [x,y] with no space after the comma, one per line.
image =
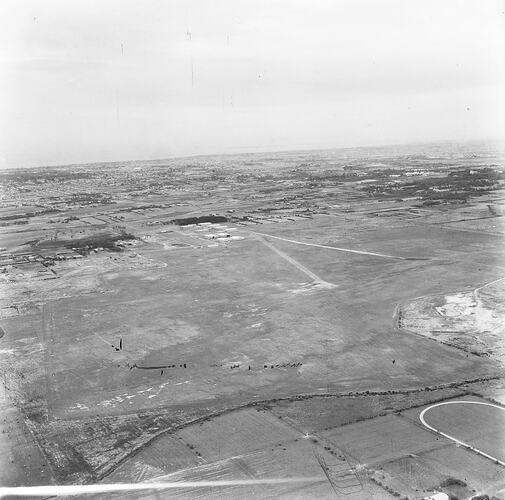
[437,496]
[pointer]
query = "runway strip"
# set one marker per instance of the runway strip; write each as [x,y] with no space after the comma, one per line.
[457,441]
[53,490]
[349,250]
[299,266]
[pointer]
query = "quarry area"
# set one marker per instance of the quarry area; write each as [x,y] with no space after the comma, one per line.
[471,320]
[254,317]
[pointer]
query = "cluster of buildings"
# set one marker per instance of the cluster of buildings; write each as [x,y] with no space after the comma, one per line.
[212,231]
[30,258]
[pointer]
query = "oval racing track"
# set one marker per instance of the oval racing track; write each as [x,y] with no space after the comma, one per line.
[457,441]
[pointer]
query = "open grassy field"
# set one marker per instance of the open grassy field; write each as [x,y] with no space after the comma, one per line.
[294,292]
[203,308]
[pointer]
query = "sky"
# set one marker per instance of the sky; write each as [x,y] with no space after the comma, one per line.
[109,80]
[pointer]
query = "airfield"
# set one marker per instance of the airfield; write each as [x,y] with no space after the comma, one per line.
[212,339]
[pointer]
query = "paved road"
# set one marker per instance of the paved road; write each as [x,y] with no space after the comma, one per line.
[452,438]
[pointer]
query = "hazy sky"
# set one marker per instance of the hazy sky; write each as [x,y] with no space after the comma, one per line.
[89,80]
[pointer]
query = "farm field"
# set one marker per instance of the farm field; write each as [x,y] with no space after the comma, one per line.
[381,439]
[19,446]
[320,413]
[253,445]
[377,456]
[478,425]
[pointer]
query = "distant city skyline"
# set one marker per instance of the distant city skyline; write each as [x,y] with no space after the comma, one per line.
[117,80]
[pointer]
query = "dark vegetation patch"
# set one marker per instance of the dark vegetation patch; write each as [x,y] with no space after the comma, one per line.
[199,220]
[452,481]
[102,240]
[457,185]
[27,215]
[105,240]
[141,207]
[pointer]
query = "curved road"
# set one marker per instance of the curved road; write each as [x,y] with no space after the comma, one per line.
[457,441]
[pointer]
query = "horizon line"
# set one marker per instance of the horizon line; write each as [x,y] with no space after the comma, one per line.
[496,140]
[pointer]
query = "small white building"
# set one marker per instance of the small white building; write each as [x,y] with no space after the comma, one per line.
[437,496]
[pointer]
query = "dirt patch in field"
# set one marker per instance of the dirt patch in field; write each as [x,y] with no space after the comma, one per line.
[473,320]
